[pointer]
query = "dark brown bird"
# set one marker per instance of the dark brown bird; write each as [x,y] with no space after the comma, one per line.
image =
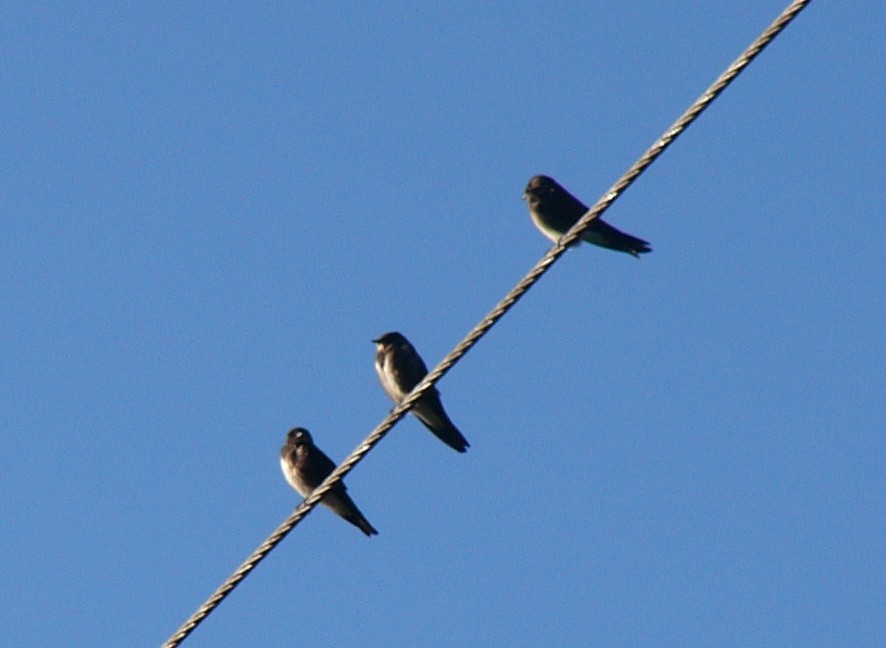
[400,369]
[554,210]
[305,466]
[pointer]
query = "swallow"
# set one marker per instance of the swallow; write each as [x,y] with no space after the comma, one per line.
[400,369]
[554,210]
[305,466]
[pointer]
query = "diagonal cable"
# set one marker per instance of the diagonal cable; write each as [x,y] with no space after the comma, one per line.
[490,320]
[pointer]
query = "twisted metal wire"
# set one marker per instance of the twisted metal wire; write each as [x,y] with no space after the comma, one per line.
[490,320]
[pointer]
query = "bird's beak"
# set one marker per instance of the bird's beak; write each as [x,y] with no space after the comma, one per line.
[375,341]
[525,196]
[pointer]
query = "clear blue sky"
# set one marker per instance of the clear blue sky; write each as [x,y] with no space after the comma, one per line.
[208,212]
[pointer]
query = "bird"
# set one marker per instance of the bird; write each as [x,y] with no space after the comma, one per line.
[554,210]
[305,466]
[400,369]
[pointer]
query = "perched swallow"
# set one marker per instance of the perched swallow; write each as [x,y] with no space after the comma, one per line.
[305,467]
[554,210]
[400,369]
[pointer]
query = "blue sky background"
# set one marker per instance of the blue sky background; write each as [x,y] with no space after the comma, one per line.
[208,212]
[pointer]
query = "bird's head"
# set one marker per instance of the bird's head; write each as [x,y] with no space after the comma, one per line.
[392,339]
[298,437]
[538,188]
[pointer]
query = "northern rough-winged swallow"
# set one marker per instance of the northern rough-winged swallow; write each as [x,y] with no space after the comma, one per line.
[554,210]
[400,369]
[305,466]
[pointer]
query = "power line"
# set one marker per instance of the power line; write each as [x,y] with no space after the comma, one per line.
[491,319]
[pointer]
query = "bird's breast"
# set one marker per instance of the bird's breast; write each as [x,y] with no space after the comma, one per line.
[293,477]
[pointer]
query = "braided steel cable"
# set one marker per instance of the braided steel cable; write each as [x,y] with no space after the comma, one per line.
[490,320]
